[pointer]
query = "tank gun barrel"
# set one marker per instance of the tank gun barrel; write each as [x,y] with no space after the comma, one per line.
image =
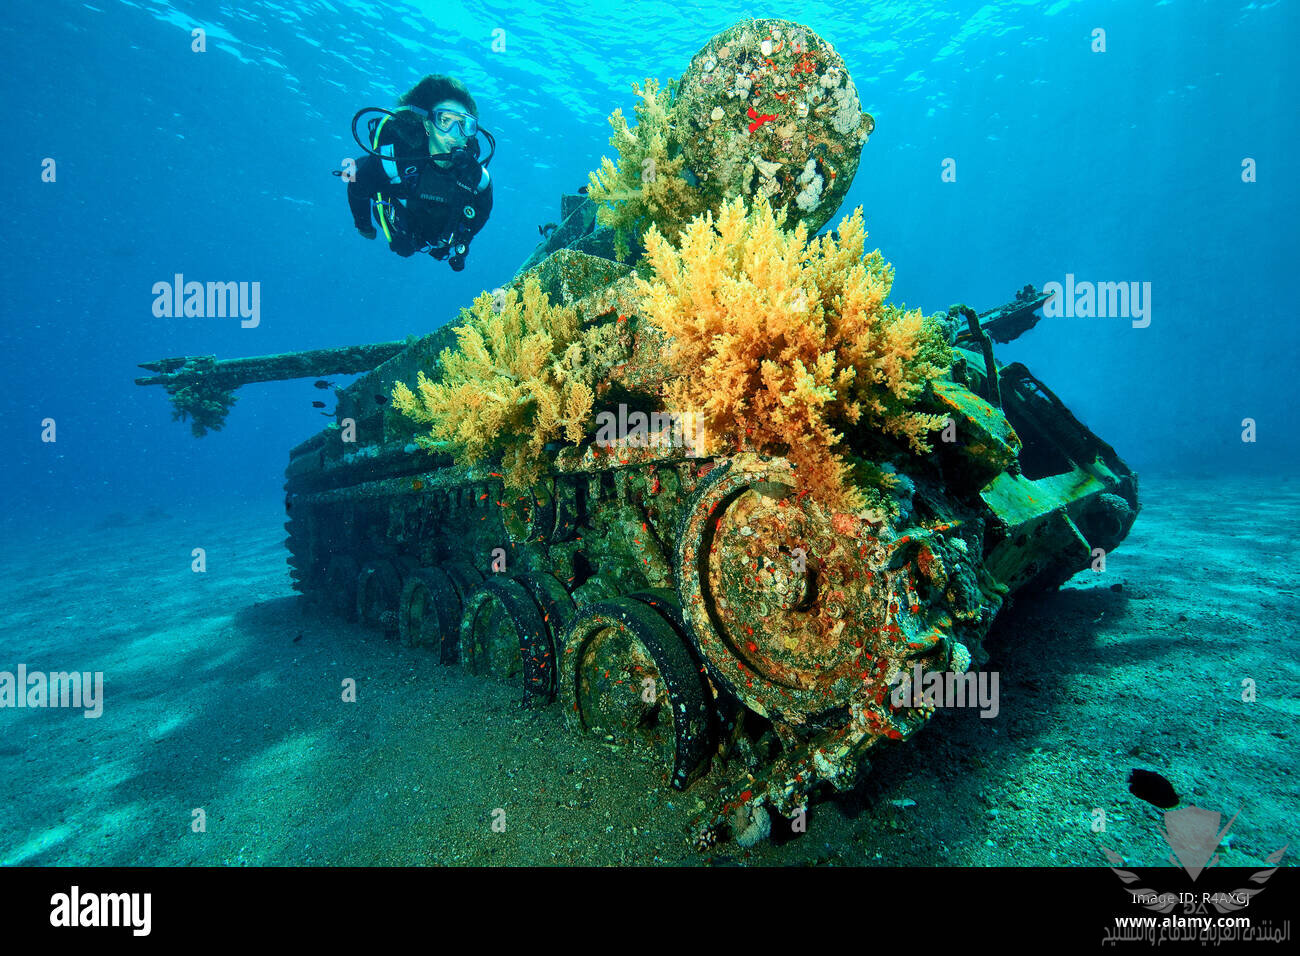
[232,373]
[201,387]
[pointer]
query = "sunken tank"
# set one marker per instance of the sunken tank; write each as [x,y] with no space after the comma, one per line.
[702,609]
[696,602]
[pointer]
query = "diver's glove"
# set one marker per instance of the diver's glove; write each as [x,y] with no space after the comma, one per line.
[402,245]
[453,251]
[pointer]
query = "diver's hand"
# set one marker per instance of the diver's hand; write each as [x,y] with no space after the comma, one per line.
[368,232]
[465,169]
[463,161]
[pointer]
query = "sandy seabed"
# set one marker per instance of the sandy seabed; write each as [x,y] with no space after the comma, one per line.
[223,692]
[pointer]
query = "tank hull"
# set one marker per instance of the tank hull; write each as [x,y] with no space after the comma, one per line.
[752,643]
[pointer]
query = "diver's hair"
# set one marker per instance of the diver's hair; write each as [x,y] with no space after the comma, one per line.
[435,88]
[427,94]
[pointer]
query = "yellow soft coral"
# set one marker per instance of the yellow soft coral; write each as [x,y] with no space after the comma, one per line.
[647,185]
[516,382]
[778,344]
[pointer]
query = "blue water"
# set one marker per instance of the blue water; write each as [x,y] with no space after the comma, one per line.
[1117,166]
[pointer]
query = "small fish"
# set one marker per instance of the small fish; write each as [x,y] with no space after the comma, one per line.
[328,414]
[582,190]
[380,399]
[321,383]
[546,230]
[1153,788]
[417,484]
[317,404]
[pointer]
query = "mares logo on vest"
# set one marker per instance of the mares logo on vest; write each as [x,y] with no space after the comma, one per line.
[432,185]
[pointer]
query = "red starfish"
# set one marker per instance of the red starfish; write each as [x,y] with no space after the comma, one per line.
[759,120]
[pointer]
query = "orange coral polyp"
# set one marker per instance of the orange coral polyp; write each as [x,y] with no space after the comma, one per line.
[515,382]
[780,343]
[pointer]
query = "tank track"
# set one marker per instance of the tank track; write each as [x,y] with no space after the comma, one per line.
[603,589]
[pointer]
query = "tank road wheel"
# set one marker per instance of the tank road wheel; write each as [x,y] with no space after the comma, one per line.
[406,565]
[530,517]
[796,611]
[726,710]
[594,589]
[557,612]
[502,633]
[429,613]
[627,672]
[341,585]
[464,576]
[379,592]
[664,600]
[566,510]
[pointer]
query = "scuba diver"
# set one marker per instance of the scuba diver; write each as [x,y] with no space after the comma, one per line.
[421,177]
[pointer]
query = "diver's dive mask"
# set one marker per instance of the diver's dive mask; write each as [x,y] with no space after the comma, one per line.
[444,120]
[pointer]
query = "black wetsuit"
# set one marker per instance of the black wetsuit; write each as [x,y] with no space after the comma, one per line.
[426,208]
